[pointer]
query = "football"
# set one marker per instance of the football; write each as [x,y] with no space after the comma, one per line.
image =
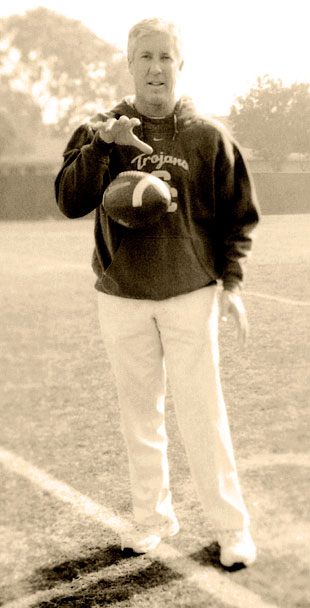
[136,199]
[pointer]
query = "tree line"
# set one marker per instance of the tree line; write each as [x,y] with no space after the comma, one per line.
[54,72]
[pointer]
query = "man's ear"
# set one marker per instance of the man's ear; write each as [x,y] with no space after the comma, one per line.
[181,65]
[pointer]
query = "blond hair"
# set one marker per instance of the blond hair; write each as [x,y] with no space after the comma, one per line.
[149,26]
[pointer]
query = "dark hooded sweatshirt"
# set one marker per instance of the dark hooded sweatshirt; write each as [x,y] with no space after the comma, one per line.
[204,237]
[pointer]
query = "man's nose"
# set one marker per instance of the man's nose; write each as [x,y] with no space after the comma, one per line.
[155,67]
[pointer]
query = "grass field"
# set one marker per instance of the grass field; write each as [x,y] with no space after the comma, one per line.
[63,469]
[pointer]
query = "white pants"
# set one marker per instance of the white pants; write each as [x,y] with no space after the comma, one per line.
[143,339]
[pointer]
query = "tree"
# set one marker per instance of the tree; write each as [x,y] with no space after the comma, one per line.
[271,120]
[19,115]
[300,118]
[7,132]
[66,69]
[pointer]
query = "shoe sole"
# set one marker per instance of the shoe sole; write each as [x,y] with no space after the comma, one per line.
[137,547]
[229,563]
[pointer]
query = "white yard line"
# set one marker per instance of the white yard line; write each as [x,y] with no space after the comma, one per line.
[266,296]
[218,585]
[256,461]
[62,491]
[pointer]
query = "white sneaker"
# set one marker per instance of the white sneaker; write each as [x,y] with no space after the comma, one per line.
[237,546]
[142,539]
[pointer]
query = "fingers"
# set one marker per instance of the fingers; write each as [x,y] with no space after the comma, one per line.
[129,124]
[106,130]
[111,129]
[141,145]
[122,128]
[121,132]
[241,322]
[224,308]
[231,303]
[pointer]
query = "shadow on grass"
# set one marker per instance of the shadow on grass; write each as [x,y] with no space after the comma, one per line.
[114,586]
[99,558]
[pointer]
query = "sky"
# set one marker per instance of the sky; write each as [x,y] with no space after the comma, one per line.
[228,44]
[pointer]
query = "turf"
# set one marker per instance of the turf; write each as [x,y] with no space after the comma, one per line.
[59,412]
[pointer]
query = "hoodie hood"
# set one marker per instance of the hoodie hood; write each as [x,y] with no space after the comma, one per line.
[184,113]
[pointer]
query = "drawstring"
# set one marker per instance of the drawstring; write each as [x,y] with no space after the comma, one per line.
[142,127]
[176,130]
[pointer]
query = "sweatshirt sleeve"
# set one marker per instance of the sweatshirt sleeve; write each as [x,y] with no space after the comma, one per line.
[237,212]
[84,174]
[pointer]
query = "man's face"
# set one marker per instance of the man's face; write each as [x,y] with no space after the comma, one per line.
[155,67]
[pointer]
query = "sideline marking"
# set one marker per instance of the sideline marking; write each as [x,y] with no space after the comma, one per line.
[269,460]
[206,578]
[83,504]
[265,296]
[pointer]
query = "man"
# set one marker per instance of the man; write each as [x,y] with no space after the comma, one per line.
[158,286]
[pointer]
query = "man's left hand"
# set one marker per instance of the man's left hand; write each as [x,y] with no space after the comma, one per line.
[231,303]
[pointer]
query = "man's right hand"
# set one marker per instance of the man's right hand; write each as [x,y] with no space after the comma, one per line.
[121,132]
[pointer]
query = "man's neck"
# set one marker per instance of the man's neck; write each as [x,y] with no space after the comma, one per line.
[154,110]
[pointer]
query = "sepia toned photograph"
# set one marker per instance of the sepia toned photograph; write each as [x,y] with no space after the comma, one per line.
[155,304]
